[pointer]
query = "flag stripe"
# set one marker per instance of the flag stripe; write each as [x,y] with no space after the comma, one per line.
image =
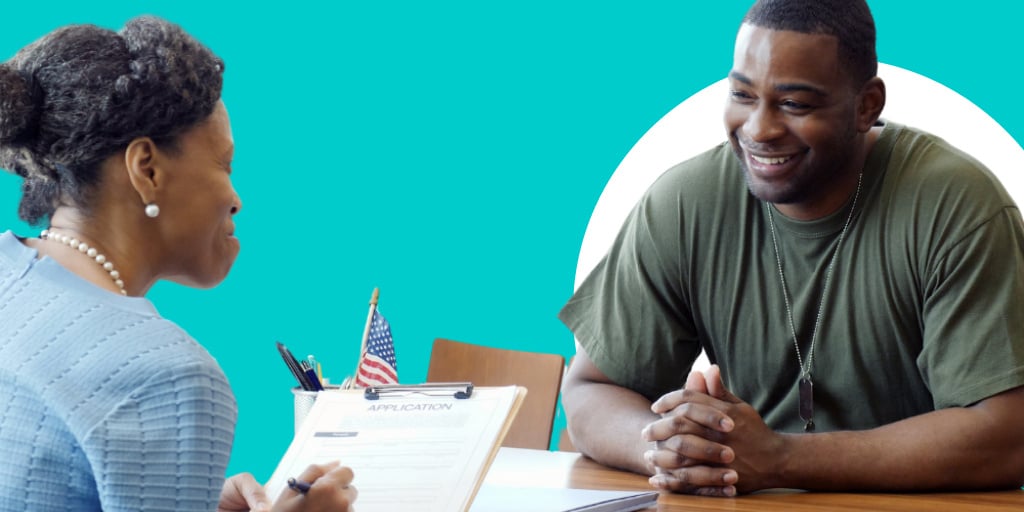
[364,378]
[378,364]
[372,363]
[367,380]
[383,378]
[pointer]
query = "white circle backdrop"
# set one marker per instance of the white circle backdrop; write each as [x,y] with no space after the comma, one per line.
[696,125]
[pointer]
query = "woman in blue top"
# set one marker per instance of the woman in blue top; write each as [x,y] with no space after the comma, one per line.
[125,150]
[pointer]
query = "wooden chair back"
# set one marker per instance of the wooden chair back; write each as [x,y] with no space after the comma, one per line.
[540,374]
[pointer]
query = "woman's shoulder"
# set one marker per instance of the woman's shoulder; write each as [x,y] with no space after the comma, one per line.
[87,360]
[142,352]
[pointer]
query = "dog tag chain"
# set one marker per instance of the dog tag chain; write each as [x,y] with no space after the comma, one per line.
[805,385]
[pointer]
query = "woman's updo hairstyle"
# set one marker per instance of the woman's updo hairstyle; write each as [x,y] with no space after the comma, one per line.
[81,93]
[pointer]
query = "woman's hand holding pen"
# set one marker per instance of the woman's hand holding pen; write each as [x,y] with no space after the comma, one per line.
[329,489]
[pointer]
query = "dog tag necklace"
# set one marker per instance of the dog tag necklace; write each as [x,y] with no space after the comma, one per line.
[805,382]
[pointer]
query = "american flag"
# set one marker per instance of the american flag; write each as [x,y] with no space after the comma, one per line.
[378,364]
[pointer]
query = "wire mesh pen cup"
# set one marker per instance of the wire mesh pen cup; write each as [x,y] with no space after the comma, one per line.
[304,401]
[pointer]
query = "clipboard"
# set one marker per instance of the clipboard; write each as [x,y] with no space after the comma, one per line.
[411,448]
[458,390]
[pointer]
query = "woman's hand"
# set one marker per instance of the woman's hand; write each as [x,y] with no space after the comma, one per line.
[242,493]
[330,490]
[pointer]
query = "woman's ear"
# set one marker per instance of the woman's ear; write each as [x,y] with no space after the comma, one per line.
[871,101]
[140,162]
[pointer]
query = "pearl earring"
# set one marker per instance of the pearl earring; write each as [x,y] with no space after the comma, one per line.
[152,210]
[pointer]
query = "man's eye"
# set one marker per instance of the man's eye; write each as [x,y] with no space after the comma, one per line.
[795,105]
[740,96]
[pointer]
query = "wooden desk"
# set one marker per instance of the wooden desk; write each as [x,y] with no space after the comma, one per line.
[539,468]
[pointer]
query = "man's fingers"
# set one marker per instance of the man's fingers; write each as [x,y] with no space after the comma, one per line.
[696,382]
[689,418]
[687,450]
[715,385]
[674,399]
[702,480]
[728,491]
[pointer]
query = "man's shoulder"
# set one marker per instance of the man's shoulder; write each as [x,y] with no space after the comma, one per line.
[703,166]
[928,164]
[926,148]
[920,153]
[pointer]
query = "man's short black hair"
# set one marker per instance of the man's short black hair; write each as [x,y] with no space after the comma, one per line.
[850,21]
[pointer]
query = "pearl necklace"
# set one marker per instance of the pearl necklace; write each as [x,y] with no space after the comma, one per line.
[805,382]
[92,253]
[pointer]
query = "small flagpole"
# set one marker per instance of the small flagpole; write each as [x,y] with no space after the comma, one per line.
[366,332]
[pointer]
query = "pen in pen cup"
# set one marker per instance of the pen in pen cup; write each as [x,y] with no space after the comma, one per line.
[297,371]
[315,365]
[311,376]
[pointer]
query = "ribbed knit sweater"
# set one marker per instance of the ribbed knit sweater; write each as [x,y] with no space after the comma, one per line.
[104,405]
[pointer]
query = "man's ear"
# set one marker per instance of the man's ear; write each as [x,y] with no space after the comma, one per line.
[140,159]
[870,103]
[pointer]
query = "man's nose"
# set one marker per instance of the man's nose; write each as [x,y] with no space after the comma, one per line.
[764,124]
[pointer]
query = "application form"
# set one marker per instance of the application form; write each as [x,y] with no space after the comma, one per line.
[421,452]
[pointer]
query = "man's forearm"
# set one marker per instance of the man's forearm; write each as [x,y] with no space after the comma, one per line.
[605,421]
[980,447]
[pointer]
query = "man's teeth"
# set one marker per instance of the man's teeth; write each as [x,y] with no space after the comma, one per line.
[770,161]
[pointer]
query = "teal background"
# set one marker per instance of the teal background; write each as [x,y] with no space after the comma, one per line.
[450,154]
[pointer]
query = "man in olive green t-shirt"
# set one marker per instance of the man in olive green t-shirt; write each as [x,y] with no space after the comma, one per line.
[860,285]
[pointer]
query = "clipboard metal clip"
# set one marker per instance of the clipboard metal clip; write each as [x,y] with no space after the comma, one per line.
[459,390]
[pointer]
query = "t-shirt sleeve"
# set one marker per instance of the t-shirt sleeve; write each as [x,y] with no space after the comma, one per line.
[630,314]
[166,447]
[974,297]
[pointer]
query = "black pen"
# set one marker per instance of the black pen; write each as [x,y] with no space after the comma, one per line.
[311,376]
[293,366]
[299,486]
